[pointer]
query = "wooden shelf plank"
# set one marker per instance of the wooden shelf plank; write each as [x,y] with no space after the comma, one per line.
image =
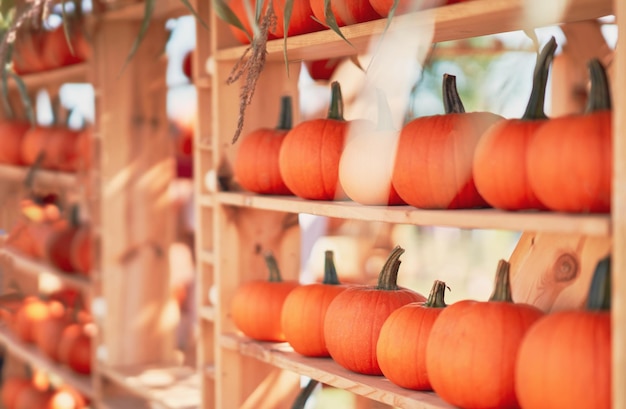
[591,224]
[25,265]
[34,357]
[328,372]
[207,257]
[462,20]
[76,73]
[172,387]
[207,312]
[43,178]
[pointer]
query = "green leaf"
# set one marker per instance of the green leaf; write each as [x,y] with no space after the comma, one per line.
[7,7]
[226,14]
[392,12]
[23,91]
[5,83]
[287,19]
[331,22]
[145,24]
[195,13]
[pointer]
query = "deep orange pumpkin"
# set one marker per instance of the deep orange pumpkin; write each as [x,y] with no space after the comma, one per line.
[500,158]
[310,153]
[81,251]
[564,361]
[27,50]
[570,160]
[301,20]
[304,310]
[354,318]
[31,397]
[11,388]
[401,347]
[239,9]
[58,251]
[345,12]
[433,164]
[11,135]
[75,348]
[47,332]
[34,143]
[257,305]
[32,311]
[322,70]
[256,165]
[477,342]
[383,7]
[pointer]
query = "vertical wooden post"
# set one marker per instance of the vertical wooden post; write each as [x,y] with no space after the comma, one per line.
[136,216]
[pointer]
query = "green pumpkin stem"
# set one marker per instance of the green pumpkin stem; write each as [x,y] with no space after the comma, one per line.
[452,103]
[436,298]
[600,93]
[330,271]
[599,297]
[335,110]
[74,217]
[385,120]
[534,109]
[272,266]
[502,288]
[285,118]
[388,277]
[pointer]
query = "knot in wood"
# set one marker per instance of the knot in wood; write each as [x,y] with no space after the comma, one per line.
[565,268]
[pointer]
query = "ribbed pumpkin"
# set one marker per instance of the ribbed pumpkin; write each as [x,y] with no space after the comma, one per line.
[300,21]
[310,153]
[59,244]
[257,305]
[305,308]
[569,160]
[477,342]
[47,332]
[239,9]
[322,70]
[564,361]
[345,12]
[367,159]
[383,7]
[256,165]
[34,144]
[401,347]
[500,158]
[354,318]
[11,135]
[75,348]
[433,164]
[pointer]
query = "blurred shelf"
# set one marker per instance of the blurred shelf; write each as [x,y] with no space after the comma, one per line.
[171,387]
[471,18]
[209,371]
[75,73]
[19,262]
[325,370]
[42,178]
[32,355]
[207,312]
[206,200]
[207,257]
[124,402]
[551,222]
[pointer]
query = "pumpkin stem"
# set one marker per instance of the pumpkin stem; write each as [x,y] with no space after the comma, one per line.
[534,109]
[388,277]
[502,288]
[436,298]
[335,110]
[285,118]
[600,94]
[74,216]
[452,103]
[272,267]
[385,120]
[330,271]
[305,393]
[599,297]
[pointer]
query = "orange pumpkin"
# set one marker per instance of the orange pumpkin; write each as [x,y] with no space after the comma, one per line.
[304,310]
[401,347]
[58,249]
[238,8]
[31,397]
[322,70]
[433,164]
[478,341]
[27,51]
[310,153]
[500,158]
[11,135]
[74,348]
[32,311]
[257,305]
[345,12]
[61,148]
[570,159]
[81,251]
[564,361]
[256,165]
[355,316]
[383,7]
[47,332]
[300,22]
[34,144]
[11,388]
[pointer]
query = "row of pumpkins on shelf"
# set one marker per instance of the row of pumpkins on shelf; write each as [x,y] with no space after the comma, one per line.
[454,160]
[35,390]
[57,324]
[56,147]
[44,233]
[473,354]
[42,49]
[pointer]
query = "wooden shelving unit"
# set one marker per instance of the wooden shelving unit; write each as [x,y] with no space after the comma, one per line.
[234,227]
[41,178]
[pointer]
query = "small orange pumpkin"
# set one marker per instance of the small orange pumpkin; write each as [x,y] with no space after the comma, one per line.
[300,22]
[345,12]
[75,348]
[257,305]
[355,316]
[11,135]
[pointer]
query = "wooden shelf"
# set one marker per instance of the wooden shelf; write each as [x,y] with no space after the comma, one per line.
[76,73]
[26,265]
[42,179]
[325,370]
[207,257]
[207,313]
[592,224]
[462,20]
[34,357]
[172,387]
